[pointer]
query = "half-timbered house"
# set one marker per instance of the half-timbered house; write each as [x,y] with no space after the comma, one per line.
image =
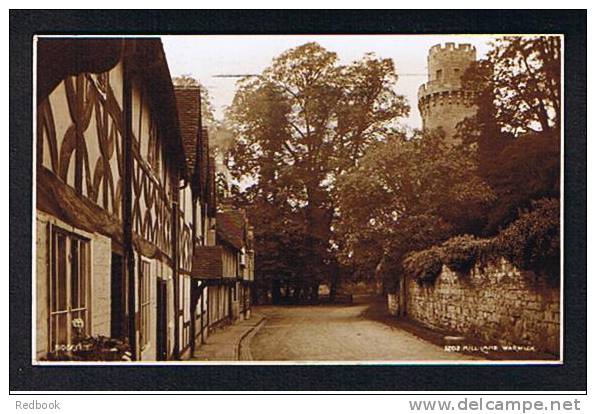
[211,291]
[200,205]
[235,237]
[114,232]
[127,241]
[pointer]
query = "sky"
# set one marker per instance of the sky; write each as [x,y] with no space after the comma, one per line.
[205,56]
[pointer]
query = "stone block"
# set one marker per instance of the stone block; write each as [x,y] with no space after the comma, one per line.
[504,307]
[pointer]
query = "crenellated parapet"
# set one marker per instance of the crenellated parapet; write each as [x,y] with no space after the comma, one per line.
[452,47]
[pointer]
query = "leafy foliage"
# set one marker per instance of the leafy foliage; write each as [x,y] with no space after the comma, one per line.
[424,266]
[337,185]
[519,84]
[301,124]
[527,169]
[531,242]
[516,130]
[424,191]
[461,253]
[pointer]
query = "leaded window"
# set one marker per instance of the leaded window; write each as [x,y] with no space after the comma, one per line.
[69,289]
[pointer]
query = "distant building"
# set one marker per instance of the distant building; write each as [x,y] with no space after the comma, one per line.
[198,207]
[441,100]
[236,237]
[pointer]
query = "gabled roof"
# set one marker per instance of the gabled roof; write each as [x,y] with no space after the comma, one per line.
[149,61]
[231,226]
[188,99]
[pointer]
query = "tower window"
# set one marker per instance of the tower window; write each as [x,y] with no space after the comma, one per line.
[456,71]
[439,74]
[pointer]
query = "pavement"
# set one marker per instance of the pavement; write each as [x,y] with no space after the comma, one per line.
[224,343]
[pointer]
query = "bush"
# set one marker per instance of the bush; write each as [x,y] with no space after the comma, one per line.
[425,266]
[532,242]
[461,253]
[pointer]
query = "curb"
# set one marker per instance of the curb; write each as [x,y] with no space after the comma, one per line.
[246,355]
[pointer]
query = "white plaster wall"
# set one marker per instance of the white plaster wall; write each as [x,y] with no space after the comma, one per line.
[101,269]
[41,284]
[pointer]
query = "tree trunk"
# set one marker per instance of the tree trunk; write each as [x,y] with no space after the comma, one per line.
[318,222]
[275,291]
[334,282]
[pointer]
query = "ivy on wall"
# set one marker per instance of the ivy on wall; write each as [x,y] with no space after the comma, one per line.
[532,242]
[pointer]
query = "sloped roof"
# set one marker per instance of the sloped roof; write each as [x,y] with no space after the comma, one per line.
[60,57]
[188,99]
[150,63]
[203,163]
[231,226]
[207,262]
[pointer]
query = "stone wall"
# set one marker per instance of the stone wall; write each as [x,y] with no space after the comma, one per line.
[497,303]
[446,111]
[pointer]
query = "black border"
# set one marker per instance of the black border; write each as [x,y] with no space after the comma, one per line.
[571,376]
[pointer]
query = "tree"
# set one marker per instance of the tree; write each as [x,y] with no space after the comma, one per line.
[406,195]
[516,130]
[301,124]
[524,76]
[527,169]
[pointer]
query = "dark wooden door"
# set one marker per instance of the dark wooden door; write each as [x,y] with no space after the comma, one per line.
[162,320]
[117,325]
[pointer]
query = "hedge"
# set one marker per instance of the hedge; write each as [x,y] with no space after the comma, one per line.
[531,242]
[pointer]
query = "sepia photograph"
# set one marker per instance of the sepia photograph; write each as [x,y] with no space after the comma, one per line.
[282,199]
[297,202]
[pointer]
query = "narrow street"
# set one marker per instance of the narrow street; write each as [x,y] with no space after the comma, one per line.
[337,333]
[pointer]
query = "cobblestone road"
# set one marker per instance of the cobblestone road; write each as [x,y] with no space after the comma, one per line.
[337,333]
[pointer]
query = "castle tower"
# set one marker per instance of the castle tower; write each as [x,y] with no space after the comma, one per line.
[441,101]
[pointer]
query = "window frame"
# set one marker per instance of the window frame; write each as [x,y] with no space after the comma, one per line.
[145,304]
[185,313]
[53,298]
